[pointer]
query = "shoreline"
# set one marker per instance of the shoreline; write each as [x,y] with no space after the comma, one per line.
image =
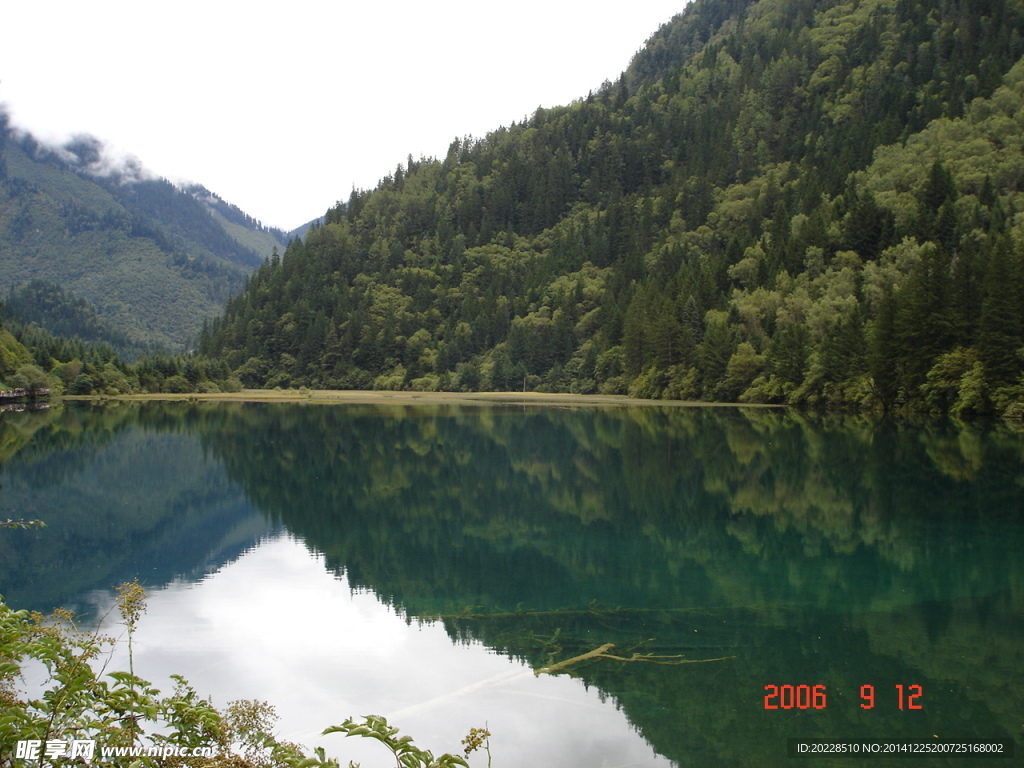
[386,397]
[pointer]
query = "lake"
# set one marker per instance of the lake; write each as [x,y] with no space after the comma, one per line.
[760,574]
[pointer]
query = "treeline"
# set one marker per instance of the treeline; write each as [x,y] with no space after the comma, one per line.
[62,313]
[33,358]
[781,201]
[62,344]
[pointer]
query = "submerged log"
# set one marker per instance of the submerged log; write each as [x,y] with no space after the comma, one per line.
[601,652]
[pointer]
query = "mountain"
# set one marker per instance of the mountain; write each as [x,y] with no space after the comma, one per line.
[300,232]
[150,259]
[799,201]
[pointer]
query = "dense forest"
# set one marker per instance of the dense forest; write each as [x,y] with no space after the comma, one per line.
[61,312]
[32,358]
[782,201]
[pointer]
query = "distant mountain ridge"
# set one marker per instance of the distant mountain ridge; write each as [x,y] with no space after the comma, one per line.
[151,259]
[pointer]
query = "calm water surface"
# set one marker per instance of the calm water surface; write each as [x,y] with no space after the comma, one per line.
[423,562]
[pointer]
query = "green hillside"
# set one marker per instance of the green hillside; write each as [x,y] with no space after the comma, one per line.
[779,201]
[152,260]
[13,356]
[63,314]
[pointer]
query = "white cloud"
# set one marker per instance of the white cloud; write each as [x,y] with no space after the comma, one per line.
[276,626]
[283,109]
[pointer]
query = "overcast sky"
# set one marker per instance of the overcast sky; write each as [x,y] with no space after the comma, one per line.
[281,108]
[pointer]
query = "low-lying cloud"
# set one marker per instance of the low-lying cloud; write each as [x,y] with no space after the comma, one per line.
[89,155]
[81,152]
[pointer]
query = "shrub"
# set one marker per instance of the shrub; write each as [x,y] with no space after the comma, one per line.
[120,709]
[82,385]
[177,384]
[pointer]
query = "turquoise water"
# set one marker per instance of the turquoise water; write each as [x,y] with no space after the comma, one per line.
[423,562]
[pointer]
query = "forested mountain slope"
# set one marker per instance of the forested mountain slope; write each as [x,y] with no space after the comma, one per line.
[151,260]
[778,201]
[61,313]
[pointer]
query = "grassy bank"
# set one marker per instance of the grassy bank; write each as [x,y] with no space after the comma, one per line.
[327,396]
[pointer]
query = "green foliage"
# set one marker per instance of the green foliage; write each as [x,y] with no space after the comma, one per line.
[62,314]
[32,377]
[13,354]
[93,368]
[121,710]
[176,384]
[76,703]
[406,754]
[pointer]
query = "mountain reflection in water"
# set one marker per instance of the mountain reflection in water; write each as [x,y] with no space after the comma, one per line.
[835,551]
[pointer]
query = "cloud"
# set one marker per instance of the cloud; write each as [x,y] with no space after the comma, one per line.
[81,152]
[91,156]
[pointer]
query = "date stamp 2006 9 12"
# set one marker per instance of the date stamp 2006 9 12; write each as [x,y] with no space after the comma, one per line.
[816,696]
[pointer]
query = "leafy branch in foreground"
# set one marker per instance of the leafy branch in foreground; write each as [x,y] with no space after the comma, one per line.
[406,754]
[77,702]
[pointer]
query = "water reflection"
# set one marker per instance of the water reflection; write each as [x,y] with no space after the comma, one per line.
[839,551]
[321,652]
[122,494]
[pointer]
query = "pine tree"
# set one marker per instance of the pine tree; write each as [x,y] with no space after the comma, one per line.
[884,353]
[1000,339]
